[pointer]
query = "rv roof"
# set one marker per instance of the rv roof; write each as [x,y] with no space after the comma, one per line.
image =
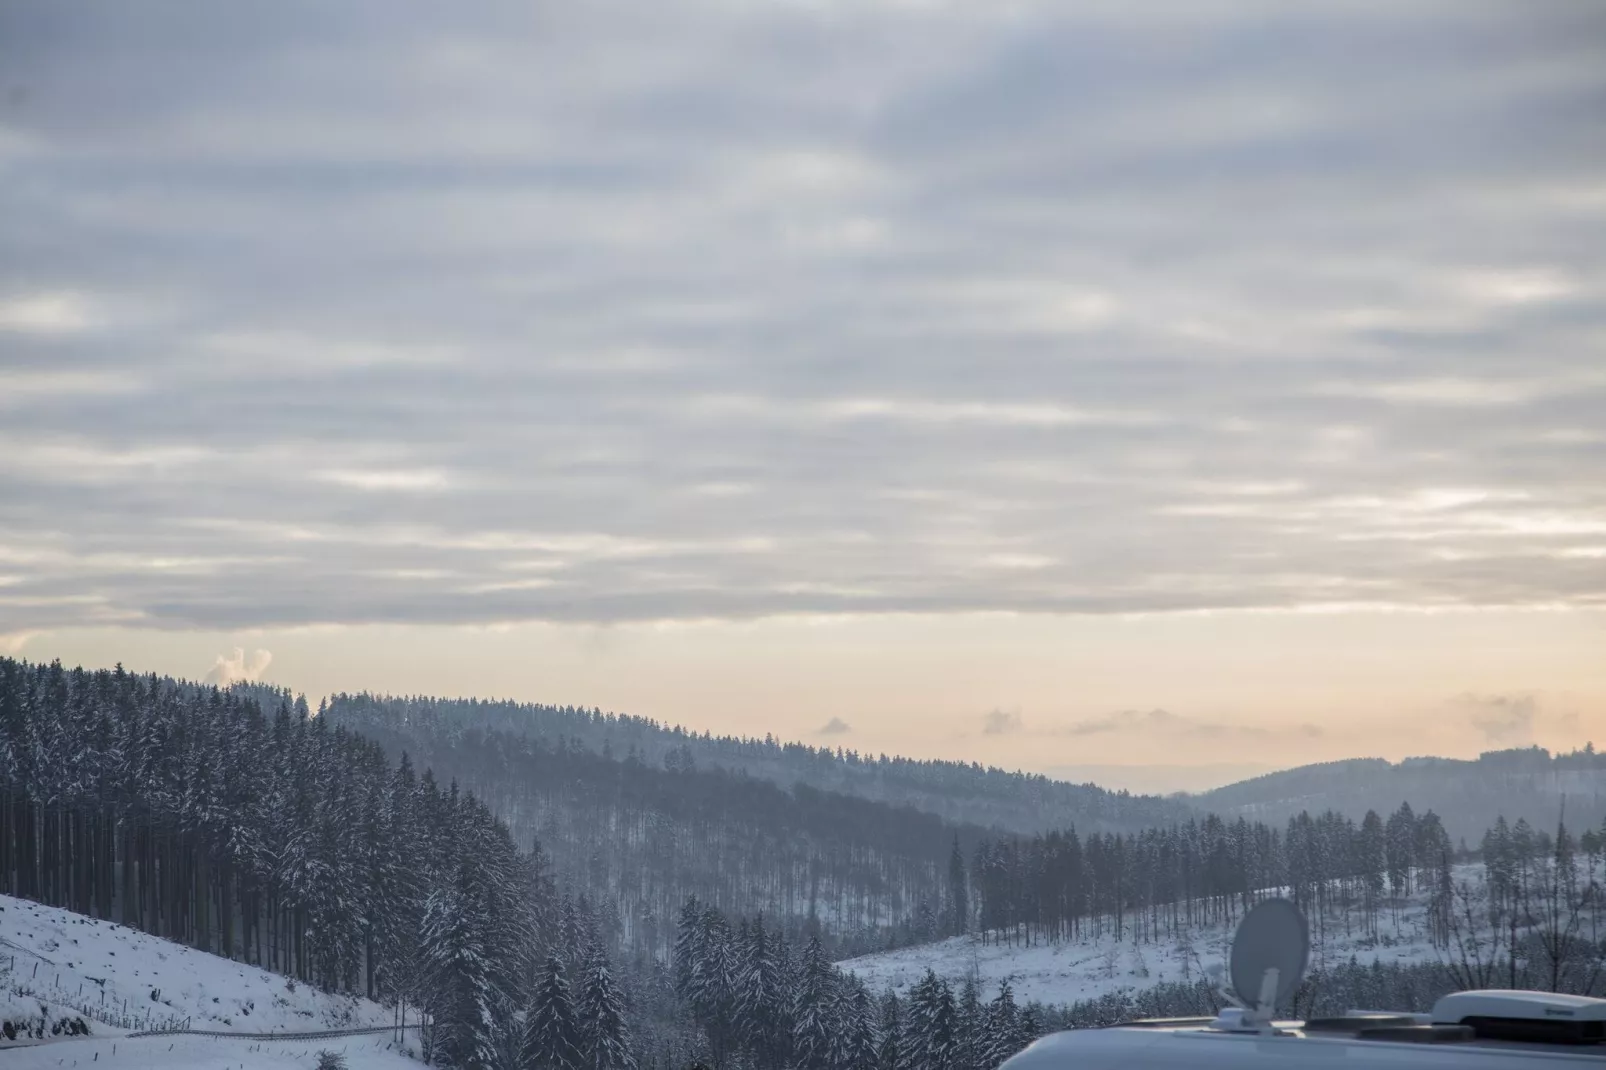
[1197,1046]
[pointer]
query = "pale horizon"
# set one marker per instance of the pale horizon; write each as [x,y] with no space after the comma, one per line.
[1265,692]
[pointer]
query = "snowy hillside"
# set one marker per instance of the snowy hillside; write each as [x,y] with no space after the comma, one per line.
[1085,969]
[207,1053]
[122,979]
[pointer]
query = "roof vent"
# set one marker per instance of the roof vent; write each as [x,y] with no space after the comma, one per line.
[1534,1017]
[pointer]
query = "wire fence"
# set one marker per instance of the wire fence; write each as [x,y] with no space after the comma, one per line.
[92,1004]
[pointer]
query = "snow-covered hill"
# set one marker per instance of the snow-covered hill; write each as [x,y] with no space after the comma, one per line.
[119,979]
[1086,969]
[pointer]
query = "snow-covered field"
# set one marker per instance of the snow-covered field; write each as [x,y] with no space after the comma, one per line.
[205,1053]
[1067,972]
[118,978]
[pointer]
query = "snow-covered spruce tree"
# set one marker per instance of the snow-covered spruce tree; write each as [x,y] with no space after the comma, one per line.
[814,1006]
[1031,1026]
[918,1018]
[1002,1035]
[787,972]
[762,1000]
[511,893]
[335,892]
[551,1034]
[942,1042]
[931,1028]
[1371,862]
[604,1035]
[475,936]
[711,985]
[892,1048]
[853,1044]
[969,1028]
[1400,846]
[459,1000]
[689,949]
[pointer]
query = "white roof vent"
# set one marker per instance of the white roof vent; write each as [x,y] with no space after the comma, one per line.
[1545,1017]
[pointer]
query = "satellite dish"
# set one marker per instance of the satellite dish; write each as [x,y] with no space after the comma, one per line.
[1269,955]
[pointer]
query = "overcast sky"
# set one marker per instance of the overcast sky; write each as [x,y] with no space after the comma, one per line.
[1043,381]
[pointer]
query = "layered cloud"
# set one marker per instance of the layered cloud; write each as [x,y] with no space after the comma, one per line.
[613,312]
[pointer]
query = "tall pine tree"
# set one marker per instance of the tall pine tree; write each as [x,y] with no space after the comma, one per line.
[604,1034]
[813,1010]
[853,1044]
[552,1038]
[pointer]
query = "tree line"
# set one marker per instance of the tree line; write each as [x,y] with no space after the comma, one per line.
[1162,882]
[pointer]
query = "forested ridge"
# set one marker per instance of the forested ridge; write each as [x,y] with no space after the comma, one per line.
[1525,783]
[283,840]
[965,792]
[644,837]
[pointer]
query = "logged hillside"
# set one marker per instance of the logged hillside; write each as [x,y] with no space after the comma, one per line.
[120,978]
[963,792]
[57,967]
[1528,784]
[643,836]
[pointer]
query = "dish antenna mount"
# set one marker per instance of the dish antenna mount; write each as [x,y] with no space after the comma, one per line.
[1269,956]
